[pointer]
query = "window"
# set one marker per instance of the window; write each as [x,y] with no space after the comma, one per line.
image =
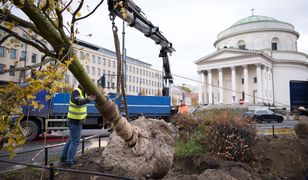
[13,53]
[87,69]
[241,44]
[133,69]
[243,95]
[137,70]
[12,73]
[87,56]
[255,80]
[67,79]
[275,41]
[274,46]
[81,55]
[109,63]
[104,61]
[243,81]
[113,64]
[33,58]
[93,70]
[93,59]
[23,56]
[2,52]
[99,71]
[99,60]
[1,67]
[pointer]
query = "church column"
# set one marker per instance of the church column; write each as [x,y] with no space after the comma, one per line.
[269,85]
[265,94]
[201,88]
[246,84]
[221,90]
[210,86]
[259,84]
[233,80]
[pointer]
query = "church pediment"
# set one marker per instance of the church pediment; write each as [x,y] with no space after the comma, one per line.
[226,54]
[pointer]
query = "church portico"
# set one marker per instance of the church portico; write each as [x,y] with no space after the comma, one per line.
[228,85]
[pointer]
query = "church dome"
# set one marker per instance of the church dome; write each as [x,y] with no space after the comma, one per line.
[253,19]
[258,32]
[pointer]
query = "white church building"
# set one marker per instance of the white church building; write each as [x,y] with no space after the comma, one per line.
[255,61]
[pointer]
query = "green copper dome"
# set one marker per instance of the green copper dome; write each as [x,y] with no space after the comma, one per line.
[253,19]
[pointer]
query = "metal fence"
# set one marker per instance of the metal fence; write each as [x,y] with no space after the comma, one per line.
[51,166]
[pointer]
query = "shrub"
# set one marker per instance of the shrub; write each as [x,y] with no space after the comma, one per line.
[301,130]
[231,138]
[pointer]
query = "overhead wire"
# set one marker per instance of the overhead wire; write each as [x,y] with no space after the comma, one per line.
[227,89]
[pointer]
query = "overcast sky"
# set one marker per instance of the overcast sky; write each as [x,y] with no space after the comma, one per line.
[192,26]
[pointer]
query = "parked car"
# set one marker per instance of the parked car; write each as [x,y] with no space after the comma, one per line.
[248,114]
[267,115]
[263,115]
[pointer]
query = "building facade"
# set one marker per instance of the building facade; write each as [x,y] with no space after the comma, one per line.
[255,61]
[97,61]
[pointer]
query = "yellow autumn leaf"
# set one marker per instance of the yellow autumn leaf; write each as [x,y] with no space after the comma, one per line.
[78,14]
[30,96]
[34,104]
[48,97]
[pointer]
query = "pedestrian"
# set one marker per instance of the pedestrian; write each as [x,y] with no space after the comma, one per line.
[76,114]
[183,109]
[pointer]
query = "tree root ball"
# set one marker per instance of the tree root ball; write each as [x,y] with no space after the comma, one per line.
[151,157]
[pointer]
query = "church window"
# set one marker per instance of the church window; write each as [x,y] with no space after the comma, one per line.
[241,44]
[275,42]
[255,80]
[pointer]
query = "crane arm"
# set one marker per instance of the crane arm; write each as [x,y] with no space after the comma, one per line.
[132,14]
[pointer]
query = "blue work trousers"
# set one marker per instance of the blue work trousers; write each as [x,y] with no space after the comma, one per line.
[72,143]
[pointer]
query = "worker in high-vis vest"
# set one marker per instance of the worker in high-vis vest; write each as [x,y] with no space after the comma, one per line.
[77,112]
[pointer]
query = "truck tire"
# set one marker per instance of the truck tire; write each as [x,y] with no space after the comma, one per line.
[31,128]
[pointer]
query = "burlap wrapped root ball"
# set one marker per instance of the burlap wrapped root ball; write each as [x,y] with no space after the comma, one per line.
[151,157]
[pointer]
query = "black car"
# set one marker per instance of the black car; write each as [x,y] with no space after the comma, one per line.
[267,115]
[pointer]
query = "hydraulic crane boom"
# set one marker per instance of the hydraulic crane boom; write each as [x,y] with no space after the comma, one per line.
[132,14]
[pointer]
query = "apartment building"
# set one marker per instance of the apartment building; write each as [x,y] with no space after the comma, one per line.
[97,61]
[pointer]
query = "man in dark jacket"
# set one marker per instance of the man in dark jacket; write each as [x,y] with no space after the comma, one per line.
[77,113]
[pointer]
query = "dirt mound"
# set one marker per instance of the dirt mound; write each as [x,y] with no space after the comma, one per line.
[284,157]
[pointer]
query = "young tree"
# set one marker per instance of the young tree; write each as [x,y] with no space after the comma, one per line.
[46,21]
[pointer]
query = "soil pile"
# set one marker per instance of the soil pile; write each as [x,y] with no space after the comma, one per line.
[283,157]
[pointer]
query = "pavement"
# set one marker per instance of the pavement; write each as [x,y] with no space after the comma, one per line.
[38,157]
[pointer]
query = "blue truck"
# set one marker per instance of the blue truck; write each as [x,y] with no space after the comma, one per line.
[53,116]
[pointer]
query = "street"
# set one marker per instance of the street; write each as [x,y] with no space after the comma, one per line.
[38,157]
[284,124]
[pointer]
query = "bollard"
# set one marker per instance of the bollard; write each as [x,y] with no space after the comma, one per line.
[82,150]
[51,171]
[273,130]
[46,156]
[99,141]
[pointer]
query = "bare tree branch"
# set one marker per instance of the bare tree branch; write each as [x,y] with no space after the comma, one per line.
[38,47]
[28,67]
[90,12]
[5,38]
[12,18]
[74,17]
[39,41]
[66,6]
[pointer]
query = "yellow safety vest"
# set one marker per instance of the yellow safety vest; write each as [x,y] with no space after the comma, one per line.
[75,111]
